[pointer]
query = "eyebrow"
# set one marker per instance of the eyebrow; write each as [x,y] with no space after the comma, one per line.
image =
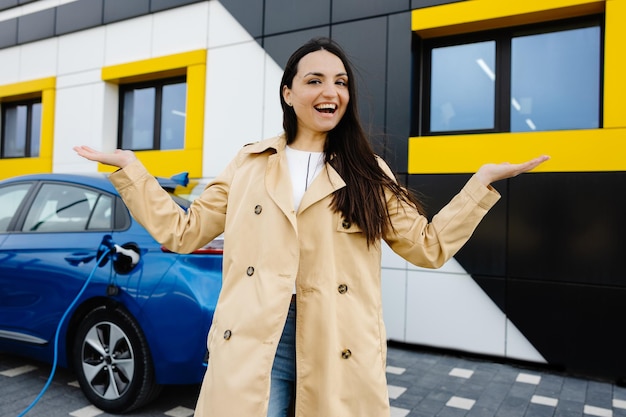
[319,74]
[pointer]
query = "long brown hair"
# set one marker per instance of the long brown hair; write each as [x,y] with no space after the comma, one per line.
[349,152]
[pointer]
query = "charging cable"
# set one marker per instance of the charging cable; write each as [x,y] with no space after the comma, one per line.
[130,258]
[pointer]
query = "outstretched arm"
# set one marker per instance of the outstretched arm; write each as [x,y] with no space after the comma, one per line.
[489,173]
[118,158]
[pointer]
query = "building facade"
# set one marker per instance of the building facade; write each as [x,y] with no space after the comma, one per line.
[444,86]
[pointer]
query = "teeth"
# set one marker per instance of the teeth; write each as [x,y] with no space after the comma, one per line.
[326,107]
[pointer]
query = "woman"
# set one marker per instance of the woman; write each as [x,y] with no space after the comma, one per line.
[303,215]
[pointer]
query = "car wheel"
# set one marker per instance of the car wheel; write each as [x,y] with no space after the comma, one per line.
[113,362]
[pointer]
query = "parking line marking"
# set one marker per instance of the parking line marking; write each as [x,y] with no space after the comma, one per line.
[461,373]
[74,384]
[179,412]
[540,399]
[460,402]
[528,378]
[89,411]
[18,371]
[395,370]
[395,392]
[597,411]
[619,404]
[399,412]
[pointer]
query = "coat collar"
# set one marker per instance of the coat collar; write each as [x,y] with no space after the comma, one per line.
[277,177]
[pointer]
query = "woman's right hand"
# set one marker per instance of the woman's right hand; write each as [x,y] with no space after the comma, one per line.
[119,158]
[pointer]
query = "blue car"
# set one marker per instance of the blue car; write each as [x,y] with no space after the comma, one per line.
[143,318]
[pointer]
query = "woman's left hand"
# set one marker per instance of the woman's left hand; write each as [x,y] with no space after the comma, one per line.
[489,173]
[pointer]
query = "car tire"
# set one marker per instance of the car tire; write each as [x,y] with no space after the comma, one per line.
[112,361]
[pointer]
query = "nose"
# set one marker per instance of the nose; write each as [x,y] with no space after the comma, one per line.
[330,90]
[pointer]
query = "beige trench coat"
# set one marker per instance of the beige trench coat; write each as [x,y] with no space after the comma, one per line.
[269,248]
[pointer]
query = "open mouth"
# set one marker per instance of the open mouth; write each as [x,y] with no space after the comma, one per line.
[326,108]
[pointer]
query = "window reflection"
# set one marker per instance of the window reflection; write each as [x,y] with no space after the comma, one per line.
[21,129]
[153,115]
[173,116]
[462,87]
[555,80]
[138,129]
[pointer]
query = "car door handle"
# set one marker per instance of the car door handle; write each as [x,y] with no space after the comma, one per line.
[78,258]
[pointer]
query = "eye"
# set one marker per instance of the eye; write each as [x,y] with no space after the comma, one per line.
[314,81]
[343,83]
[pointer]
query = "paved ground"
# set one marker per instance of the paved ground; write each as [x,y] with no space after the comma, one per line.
[421,384]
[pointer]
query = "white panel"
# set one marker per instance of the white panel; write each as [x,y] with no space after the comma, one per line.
[273,113]
[110,115]
[452,311]
[93,76]
[518,347]
[79,123]
[81,51]
[180,29]
[10,65]
[38,60]
[224,29]
[450,267]
[234,103]
[128,41]
[394,303]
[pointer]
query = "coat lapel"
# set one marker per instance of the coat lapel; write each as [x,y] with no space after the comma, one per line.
[278,185]
[327,182]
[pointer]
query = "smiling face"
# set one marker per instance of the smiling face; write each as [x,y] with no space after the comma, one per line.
[318,94]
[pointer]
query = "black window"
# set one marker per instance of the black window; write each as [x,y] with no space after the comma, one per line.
[541,77]
[21,129]
[152,115]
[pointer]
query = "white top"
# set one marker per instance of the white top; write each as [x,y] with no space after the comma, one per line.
[304,167]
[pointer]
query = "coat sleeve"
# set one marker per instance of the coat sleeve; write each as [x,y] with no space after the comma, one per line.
[178,230]
[431,244]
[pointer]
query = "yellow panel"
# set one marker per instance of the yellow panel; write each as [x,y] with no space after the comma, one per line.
[26,88]
[168,163]
[570,150]
[161,66]
[194,127]
[478,15]
[615,64]
[44,88]
[193,64]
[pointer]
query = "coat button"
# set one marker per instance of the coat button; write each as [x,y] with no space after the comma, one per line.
[346,224]
[343,288]
[258,209]
[227,334]
[346,353]
[250,271]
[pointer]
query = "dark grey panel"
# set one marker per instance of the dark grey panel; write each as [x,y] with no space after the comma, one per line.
[568,227]
[36,26]
[420,4]
[572,326]
[26,1]
[116,10]
[357,9]
[7,4]
[78,15]
[484,254]
[286,15]
[365,42]
[398,111]
[280,47]
[249,14]
[158,5]
[8,33]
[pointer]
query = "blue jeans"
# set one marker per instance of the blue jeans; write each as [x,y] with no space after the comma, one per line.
[283,382]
